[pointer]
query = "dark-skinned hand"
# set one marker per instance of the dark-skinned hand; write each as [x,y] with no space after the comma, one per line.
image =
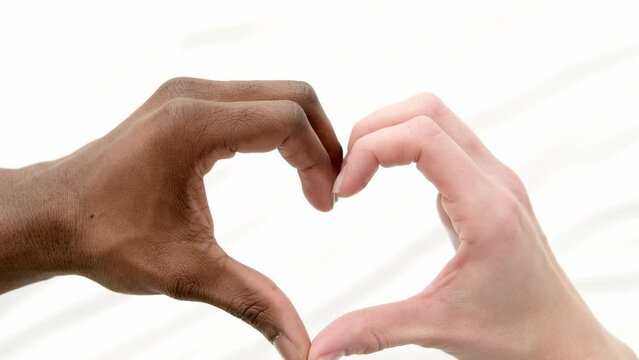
[129,210]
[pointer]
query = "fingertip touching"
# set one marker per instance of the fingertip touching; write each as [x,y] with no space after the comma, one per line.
[353,178]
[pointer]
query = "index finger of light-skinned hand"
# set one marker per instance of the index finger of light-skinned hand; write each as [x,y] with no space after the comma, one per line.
[230,91]
[260,126]
[419,140]
[247,294]
[429,105]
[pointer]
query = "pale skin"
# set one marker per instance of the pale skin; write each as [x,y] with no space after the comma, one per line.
[503,295]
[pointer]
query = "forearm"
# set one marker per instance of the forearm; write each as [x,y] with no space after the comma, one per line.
[35,235]
[599,346]
[571,331]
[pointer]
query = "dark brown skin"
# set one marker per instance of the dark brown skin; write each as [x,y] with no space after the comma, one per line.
[129,210]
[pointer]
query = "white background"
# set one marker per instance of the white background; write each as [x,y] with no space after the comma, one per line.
[551,86]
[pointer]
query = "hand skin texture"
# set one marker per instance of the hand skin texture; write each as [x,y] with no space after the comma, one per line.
[503,295]
[129,210]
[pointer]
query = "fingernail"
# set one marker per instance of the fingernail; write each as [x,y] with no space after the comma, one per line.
[286,348]
[332,356]
[337,186]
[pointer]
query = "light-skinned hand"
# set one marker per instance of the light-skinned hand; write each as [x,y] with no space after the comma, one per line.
[503,295]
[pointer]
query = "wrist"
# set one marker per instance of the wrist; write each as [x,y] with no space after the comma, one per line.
[36,227]
[582,339]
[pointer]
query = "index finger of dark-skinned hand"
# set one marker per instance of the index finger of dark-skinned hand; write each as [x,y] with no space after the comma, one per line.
[215,130]
[230,91]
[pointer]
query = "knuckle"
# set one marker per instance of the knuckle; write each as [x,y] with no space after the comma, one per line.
[184,119]
[176,87]
[361,144]
[182,286]
[178,109]
[251,311]
[513,182]
[303,92]
[430,102]
[511,220]
[374,338]
[294,115]
[250,307]
[365,144]
[378,341]
[424,127]
[359,129]
[508,207]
